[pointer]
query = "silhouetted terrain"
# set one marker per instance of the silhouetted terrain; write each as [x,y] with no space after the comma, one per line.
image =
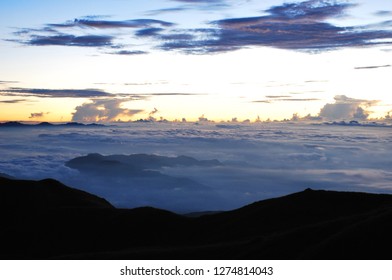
[45,219]
[46,124]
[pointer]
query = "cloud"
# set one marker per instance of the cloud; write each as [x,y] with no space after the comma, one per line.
[37,115]
[372,67]
[277,96]
[296,26]
[8,82]
[273,98]
[153,112]
[107,24]
[346,108]
[102,110]
[166,10]
[71,40]
[147,32]
[12,101]
[301,26]
[52,34]
[383,13]
[169,94]
[192,5]
[209,3]
[82,93]
[125,52]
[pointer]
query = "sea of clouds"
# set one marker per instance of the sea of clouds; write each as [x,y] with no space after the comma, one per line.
[257,161]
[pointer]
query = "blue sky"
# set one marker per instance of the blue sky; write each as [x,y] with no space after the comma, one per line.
[120,59]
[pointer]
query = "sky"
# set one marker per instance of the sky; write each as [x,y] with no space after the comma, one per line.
[100,61]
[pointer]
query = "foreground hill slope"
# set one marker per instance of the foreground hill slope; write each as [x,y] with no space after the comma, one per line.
[46,193]
[45,219]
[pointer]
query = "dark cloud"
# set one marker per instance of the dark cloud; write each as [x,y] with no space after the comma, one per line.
[71,40]
[125,52]
[153,112]
[383,13]
[102,110]
[53,35]
[372,67]
[12,101]
[346,108]
[296,26]
[83,93]
[261,101]
[153,31]
[8,82]
[104,24]
[277,96]
[177,37]
[302,26]
[37,115]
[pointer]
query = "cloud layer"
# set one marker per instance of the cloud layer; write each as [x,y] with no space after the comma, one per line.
[258,161]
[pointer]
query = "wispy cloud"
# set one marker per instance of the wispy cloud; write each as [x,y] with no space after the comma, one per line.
[82,93]
[272,99]
[372,67]
[8,82]
[37,115]
[71,40]
[12,101]
[125,52]
[383,13]
[110,24]
[169,94]
[204,5]
[167,10]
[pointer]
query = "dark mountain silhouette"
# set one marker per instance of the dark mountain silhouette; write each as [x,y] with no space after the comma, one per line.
[45,219]
[12,124]
[44,194]
[46,124]
[134,163]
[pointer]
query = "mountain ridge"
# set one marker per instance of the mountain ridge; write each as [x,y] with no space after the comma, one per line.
[312,224]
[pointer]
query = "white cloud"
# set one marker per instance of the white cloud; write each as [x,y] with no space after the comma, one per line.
[346,108]
[102,110]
